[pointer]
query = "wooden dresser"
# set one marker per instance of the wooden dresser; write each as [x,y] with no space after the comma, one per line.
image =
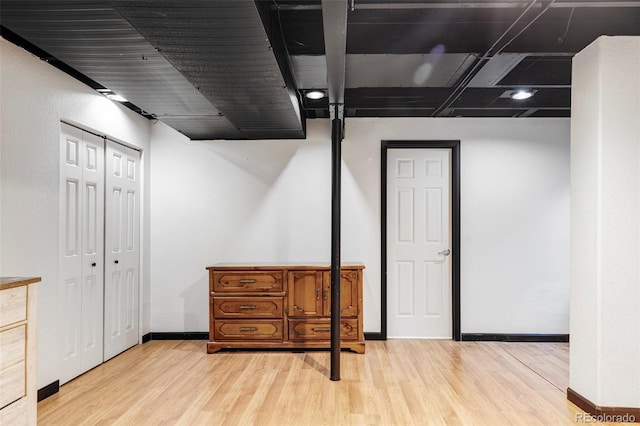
[18,387]
[284,306]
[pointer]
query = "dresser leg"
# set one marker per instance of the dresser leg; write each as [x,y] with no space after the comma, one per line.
[213,347]
[356,347]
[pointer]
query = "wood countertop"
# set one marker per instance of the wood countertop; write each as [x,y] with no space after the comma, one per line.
[10,282]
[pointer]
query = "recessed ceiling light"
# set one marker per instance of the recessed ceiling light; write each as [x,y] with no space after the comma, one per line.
[116,97]
[315,94]
[522,94]
[112,95]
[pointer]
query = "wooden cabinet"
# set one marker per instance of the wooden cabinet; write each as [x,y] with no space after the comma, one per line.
[17,345]
[289,306]
[309,304]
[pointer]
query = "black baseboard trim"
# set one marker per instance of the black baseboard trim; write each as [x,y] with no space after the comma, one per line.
[374,336]
[495,337]
[190,335]
[602,414]
[203,335]
[47,391]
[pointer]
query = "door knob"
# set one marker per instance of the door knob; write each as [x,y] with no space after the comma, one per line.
[446,252]
[93,264]
[115,261]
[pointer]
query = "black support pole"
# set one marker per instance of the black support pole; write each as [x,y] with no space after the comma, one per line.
[336,139]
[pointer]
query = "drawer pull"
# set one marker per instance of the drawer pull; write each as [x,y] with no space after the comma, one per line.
[248,306]
[248,281]
[248,328]
[321,329]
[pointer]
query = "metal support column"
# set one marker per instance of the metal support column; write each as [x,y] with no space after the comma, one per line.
[336,140]
[334,20]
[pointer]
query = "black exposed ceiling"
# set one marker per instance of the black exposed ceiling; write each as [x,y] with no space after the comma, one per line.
[239,69]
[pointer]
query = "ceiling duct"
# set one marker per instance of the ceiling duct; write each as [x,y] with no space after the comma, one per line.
[206,69]
[223,49]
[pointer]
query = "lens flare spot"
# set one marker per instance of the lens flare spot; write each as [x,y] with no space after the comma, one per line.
[438,49]
[422,73]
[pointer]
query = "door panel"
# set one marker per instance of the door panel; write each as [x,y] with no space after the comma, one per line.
[122,236]
[70,303]
[348,293]
[130,235]
[433,215]
[91,320]
[115,220]
[72,212]
[305,294]
[433,293]
[405,282]
[113,310]
[81,263]
[419,232]
[405,207]
[130,301]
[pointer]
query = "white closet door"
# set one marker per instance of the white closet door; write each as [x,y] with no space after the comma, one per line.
[122,242]
[419,243]
[82,251]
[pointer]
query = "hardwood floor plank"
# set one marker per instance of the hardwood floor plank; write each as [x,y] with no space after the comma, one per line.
[396,382]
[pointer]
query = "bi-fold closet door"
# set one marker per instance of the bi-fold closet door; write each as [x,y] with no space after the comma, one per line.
[99,265]
[122,253]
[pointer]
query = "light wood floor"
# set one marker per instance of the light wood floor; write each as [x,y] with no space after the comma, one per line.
[397,382]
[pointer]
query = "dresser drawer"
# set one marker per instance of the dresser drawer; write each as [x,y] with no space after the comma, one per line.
[13,383]
[12,346]
[320,329]
[13,305]
[243,281]
[248,330]
[247,307]
[14,414]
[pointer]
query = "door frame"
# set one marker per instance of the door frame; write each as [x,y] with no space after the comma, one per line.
[454,146]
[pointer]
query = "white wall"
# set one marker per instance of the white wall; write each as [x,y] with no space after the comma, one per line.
[269,201]
[35,97]
[605,222]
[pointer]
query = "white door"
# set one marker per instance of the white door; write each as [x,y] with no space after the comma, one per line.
[82,249]
[122,236]
[419,274]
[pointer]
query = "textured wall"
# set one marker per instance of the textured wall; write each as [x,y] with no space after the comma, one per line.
[605,223]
